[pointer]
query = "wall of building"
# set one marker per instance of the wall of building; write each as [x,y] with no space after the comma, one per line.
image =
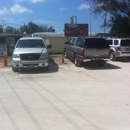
[57,44]
[3,46]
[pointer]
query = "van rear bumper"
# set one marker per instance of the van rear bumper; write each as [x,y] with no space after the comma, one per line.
[94,58]
[123,54]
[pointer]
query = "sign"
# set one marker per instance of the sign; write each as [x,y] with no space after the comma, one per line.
[3,49]
[11,43]
[76,29]
[47,41]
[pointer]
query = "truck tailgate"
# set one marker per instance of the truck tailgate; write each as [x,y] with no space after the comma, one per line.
[96,53]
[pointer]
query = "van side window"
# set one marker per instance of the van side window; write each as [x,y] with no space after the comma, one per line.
[115,42]
[73,42]
[79,42]
[109,42]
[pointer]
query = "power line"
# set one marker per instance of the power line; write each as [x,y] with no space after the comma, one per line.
[9,23]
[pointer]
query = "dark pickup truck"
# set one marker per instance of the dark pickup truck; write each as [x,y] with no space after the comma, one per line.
[86,49]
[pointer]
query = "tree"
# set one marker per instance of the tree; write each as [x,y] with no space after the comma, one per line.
[120,25]
[10,29]
[29,28]
[121,7]
[32,28]
[1,28]
[119,11]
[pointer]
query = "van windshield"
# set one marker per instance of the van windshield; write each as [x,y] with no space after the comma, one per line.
[96,43]
[30,44]
[125,42]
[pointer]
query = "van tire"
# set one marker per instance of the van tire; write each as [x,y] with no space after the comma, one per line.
[112,56]
[65,54]
[77,62]
[128,58]
[46,68]
[14,69]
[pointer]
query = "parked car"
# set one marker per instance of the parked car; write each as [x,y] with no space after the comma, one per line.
[30,52]
[86,49]
[119,47]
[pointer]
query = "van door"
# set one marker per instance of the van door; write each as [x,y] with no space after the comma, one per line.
[72,47]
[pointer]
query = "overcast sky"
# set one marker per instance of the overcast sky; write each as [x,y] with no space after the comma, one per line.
[47,12]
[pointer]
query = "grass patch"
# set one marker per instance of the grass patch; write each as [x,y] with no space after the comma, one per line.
[55,56]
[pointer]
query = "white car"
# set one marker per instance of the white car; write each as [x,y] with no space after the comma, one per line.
[30,52]
[119,47]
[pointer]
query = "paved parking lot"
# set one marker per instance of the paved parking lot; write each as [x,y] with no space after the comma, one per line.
[66,98]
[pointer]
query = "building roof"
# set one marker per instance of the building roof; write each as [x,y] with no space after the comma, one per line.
[11,34]
[6,34]
[48,34]
[28,38]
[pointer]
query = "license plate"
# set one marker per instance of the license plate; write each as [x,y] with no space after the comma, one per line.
[95,58]
[30,66]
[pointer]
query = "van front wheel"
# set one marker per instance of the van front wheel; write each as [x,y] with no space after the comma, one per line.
[77,62]
[65,54]
[14,69]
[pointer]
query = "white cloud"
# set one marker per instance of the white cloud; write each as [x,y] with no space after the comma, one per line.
[32,1]
[62,9]
[19,9]
[84,6]
[4,11]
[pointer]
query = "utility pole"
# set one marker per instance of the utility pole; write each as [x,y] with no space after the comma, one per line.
[30,28]
[90,4]
[4,26]
[90,18]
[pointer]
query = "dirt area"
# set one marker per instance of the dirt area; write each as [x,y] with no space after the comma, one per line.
[66,97]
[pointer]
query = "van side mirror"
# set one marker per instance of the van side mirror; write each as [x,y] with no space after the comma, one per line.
[66,43]
[12,46]
[49,46]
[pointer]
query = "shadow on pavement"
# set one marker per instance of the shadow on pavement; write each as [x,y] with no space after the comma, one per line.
[91,65]
[123,59]
[94,66]
[53,67]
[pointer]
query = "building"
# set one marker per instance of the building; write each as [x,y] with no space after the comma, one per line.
[7,42]
[57,40]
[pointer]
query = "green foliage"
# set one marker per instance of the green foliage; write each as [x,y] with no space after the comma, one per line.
[1,29]
[120,25]
[111,6]
[29,28]
[32,28]
[119,12]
